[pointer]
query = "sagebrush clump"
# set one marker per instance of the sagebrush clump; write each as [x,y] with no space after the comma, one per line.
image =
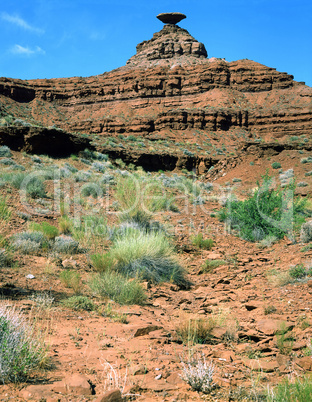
[21,350]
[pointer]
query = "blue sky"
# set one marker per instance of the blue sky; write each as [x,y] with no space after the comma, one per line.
[54,38]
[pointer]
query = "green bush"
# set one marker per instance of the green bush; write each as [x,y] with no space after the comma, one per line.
[91,189]
[276,165]
[5,151]
[35,188]
[298,272]
[202,243]
[102,262]
[79,303]
[48,230]
[21,349]
[115,286]
[268,212]
[147,255]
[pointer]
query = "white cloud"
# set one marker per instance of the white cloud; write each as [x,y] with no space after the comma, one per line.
[26,51]
[18,21]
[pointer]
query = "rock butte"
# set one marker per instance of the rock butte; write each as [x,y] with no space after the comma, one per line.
[167,88]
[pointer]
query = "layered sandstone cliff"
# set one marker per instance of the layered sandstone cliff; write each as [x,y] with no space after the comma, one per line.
[168,87]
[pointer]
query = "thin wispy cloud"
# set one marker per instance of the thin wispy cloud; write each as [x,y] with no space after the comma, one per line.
[26,51]
[20,22]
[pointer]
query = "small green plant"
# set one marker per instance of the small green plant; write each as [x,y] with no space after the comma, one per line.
[202,243]
[102,262]
[276,165]
[115,286]
[298,271]
[65,225]
[71,279]
[79,303]
[5,211]
[48,230]
[114,315]
[210,265]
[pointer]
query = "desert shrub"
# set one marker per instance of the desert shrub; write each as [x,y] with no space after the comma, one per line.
[5,151]
[35,188]
[48,230]
[65,244]
[5,258]
[71,168]
[302,184]
[21,349]
[298,271]
[265,213]
[65,225]
[148,255]
[299,390]
[79,303]
[5,211]
[306,232]
[98,167]
[15,179]
[82,176]
[210,265]
[7,162]
[102,262]
[91,189]
[202,243]
[87,154]
[198,373]
[71,279]
[107,179]
[306,160]
[276,165]
[196,330]
[28,242]
[115,286]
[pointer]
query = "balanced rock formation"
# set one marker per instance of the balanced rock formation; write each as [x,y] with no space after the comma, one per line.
[171,18]
[169,89]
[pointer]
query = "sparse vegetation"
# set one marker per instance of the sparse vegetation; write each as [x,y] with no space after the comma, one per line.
[202,243]
[115,286]
[79,303]
[265,213]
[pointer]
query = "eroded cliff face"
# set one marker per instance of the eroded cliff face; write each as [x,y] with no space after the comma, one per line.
[167,88]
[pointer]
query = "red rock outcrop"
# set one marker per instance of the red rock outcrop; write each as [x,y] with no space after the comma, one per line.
[168,85]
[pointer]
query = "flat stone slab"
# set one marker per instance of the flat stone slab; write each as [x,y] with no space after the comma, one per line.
[171,18]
